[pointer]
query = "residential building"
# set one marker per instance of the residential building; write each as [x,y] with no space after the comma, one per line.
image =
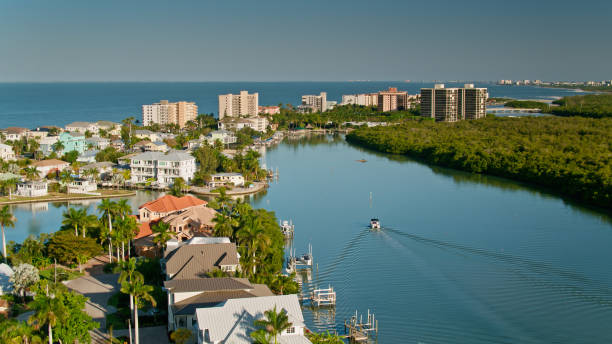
[190,262]
[364,99]
[453,104]
[238,105]
[316,103]
[186,224]
[174,243]
[233,321]
[162,167]
[269,110]
[6,152]
[110,127]
[393,100]
[224,136]
[104,169]
[228,178]
[166,205]
[14,133]
[88,156]
[32,188]
[165,112]
[257,123]
[148,146]
[186,296]
[37,134]
[82,186]
[99,143]
[46,144]
[54,166]
[147,134]
[82,127]
[73,141]
[6,287]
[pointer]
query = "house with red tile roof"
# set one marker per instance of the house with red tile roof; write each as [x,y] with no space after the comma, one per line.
[166,205]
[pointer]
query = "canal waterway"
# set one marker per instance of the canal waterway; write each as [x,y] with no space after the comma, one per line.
[461,258]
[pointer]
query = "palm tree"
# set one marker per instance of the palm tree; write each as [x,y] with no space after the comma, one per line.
[223,199]
[275,322]
[32,173]
[223,226]
[65,176]
[181,335]
[58,147]
[46,311]
[253,236]
[177,187]
[139,291]
[162,229]
[6,220]
[108,208]
[123,208]
[129,274]
[20,333]
[126,229]
[74,218]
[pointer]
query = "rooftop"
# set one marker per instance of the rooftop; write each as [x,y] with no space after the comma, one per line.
[169,203]
[170,156]
[49,162]
[194,261]
[207,284]
[215,298]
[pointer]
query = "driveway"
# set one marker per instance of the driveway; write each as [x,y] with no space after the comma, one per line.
[98,288]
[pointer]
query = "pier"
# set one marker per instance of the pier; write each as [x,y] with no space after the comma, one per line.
[323,297]
[287,228]
[358,331]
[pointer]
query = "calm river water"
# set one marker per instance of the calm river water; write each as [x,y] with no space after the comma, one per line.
[461,258]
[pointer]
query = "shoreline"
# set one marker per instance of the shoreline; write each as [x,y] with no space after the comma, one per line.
[68,198]
[260,186]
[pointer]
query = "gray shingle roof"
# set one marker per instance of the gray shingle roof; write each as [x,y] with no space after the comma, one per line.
[194,261]
[207,284]
[213,298]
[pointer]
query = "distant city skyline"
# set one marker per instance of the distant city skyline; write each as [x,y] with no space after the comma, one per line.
[311,41]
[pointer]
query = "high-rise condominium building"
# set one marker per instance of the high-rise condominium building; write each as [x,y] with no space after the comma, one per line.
[165,112]
[453,104]
[236,105]
[316,103]
[364,99]
[392,100]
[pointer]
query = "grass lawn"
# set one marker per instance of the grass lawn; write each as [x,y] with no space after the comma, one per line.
[57,195]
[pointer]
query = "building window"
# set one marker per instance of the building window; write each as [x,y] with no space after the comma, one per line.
[291,330]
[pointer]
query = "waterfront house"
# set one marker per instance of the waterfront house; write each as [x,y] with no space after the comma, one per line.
[149,146]
[82,127]
[126,160]
[224,136]
[9,176]
[233,321]
[73,142]
[37,134]
[6,152]
[195,261]
[14,133]
[186,296]
[223,179]
[50,166]
[117,144]
[174,243]
[110,127]
[166,205]
[5,275]
[147,134]
[191,221]
[82,186]
[104,169]
[163,168]
[257,123]
[97,142]
[32,188]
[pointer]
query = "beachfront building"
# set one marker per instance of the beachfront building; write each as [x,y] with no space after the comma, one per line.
[147,134]
[82,186]
[226,137]
[166,205]
[233,321]
[269,110]
[238,105]
[165,112]
[88,156]
[32,188]
[6,152]
[97,142]
[111,128]
[393,100]
[257,123]
[163,168]
[46,144]
[73,141]
[14,133]
[82,127]
[228,178]
[54,166]
[453,104]
[316,103]
[363,99]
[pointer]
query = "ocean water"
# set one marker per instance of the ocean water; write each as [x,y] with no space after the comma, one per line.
[32,105]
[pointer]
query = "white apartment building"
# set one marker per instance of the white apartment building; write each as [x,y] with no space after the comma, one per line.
[316,103]
[82,127]
[162,167]
[165,112]
[236,105]
[364,99]
[257,123]
[32,189]
[226,137]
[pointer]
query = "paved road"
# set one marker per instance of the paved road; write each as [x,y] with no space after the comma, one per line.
[98,288]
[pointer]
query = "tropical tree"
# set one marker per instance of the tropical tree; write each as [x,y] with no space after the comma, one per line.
[252,235]
[74,218]
[163,234]
[18,332]
[31,173]
[126,229]
[224,225]
[65,177]
[178,187]
[6,220]
[140,292]
[181,335]
[129,274]
[274,323]
[75,323]
[58,147]
[24,276]
[47,311]
[123,208]
[108,208]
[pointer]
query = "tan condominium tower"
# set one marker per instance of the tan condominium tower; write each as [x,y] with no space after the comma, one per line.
[453,104]
[316,103]
[237,105]
[165,112]
[392,100]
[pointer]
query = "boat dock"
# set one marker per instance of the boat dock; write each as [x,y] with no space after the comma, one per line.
[287,228]
[323,297]
[358,331]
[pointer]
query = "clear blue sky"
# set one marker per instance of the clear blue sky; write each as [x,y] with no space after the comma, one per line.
[234,40]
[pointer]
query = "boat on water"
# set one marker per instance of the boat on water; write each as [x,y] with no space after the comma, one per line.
[374,224]
[361,160]
[287,228]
